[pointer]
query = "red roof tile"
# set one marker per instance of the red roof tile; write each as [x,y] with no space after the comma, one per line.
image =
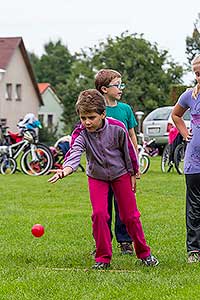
[7,48]
[43,87]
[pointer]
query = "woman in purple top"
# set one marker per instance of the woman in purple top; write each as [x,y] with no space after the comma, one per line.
[190,99]
[107,148]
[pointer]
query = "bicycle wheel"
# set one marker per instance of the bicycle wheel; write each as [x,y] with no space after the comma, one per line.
[144,163]
[179,154]
[40,164]
[166,165]
[8,166]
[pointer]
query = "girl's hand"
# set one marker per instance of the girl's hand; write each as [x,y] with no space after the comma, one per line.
[59,174]
[133,182]
[138,175]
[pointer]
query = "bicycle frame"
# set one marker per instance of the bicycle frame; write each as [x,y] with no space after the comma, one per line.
[14,150]
[35,158]
[148,147]
[143,158]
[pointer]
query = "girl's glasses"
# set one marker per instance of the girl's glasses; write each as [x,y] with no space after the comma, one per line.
[120,86]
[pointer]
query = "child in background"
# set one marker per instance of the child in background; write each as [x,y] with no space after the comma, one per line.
[174,139]
[190,99]
[109,83]
[105,142]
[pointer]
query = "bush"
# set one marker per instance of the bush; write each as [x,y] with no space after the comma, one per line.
[48,135]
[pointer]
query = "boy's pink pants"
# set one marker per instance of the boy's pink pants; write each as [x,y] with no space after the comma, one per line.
[128,212]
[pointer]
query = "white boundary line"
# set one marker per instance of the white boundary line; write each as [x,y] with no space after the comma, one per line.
[86,270]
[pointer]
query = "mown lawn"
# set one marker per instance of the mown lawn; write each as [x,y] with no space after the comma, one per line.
[58,265]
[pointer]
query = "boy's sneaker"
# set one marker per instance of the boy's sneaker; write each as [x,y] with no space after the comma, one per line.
[150,261]
[126,248]
[101,266]
[193,257]
[93,252]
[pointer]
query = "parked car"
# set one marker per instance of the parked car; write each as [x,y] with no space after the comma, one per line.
[157,124]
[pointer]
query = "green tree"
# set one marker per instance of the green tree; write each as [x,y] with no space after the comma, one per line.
[80,78]
[148,72]
[35,62]
[54,66]
[193,42]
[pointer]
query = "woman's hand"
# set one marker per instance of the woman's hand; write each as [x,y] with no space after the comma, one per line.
[189,136]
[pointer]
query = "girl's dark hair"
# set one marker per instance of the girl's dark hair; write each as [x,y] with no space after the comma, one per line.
[90,101]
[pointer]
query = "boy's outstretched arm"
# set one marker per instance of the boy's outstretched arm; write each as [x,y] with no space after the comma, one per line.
[60,173]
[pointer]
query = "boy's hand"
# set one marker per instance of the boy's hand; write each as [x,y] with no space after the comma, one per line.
[133,182]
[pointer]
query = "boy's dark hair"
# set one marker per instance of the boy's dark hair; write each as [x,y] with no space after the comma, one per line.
[104,77]
[90,101]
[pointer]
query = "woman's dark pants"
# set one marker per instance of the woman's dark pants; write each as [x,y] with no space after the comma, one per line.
[193,212]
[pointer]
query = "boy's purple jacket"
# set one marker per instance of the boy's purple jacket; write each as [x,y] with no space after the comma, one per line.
[109,151]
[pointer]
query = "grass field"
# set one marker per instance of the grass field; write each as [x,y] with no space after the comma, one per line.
[58,265]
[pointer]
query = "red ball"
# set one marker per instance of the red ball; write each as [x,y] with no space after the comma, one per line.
[37,230]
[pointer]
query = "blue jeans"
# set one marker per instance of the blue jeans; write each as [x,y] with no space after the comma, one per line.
[120,229]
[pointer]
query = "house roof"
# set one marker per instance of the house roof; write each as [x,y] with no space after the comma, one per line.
[7,47]
[43,86]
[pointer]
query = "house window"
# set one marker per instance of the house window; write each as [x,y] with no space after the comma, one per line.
[41,118]
[3,122]
[50,121]
[18,92]
[9,91]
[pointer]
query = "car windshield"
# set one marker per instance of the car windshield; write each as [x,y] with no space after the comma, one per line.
[159,114]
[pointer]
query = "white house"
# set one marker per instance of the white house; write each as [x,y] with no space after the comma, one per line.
[19,93]
[51,112]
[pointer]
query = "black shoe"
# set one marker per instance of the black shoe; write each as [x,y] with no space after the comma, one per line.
[101,266]
[126,248]
[150,261]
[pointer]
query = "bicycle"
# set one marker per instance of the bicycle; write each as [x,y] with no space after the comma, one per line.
[179,155]
[36,158]
[3,136]
[144,160]
[145,151]
[166,161]
[173,156]
[59,150]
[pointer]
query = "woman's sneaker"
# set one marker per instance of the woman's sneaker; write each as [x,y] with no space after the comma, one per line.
[101,266]
[150,261]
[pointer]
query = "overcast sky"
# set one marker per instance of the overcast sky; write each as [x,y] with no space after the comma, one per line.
[83,23]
